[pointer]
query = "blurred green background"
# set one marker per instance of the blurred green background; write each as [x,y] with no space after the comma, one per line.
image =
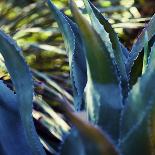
[31,24]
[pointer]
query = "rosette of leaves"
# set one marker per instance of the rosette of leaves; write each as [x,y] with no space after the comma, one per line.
[117,88]
[119,102]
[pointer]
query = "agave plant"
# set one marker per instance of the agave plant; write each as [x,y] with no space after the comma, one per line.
[117,88]
[113,86]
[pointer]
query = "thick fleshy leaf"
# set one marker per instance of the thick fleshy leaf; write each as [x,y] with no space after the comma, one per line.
[71,146]
[136,70]
[7,97]
[82,145]
[22,81]
[11,128]
[100,29]
[75,53]
[151,129]
[151,117]
[13,140]
[138,142]
[120,52]
[102,79]
[134,123]
[94,140]
[139,44]
[125,52]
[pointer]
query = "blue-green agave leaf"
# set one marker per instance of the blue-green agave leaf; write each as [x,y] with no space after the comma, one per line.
[73,144]
[80,146]
[138,142]
[120,52]
[12,140]
[135,136]
[139,44]
[138,67]
[8,98]
[151,116]
[22,81]
[102,79]
[125,52]
[99,28]
[75,53]
[151,130]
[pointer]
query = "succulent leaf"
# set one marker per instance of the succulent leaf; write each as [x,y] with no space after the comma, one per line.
[99,28]
[75,53]
[93,138]
[151,117]
[8,98]
[139,64]
[102,79]
[118,49]
[139,44]
[140,103]
[138,142]
[72,146]
[22,81]
[11,128]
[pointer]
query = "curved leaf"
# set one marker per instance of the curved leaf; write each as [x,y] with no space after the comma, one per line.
[151,117]
[118,49]
[138,142]
[94,140]
[11,127]
[136,70]
[22,81]
[134,123]
[139,45]
[8,98]
[71,146]
[102,79]
[75,53]
[100,29]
